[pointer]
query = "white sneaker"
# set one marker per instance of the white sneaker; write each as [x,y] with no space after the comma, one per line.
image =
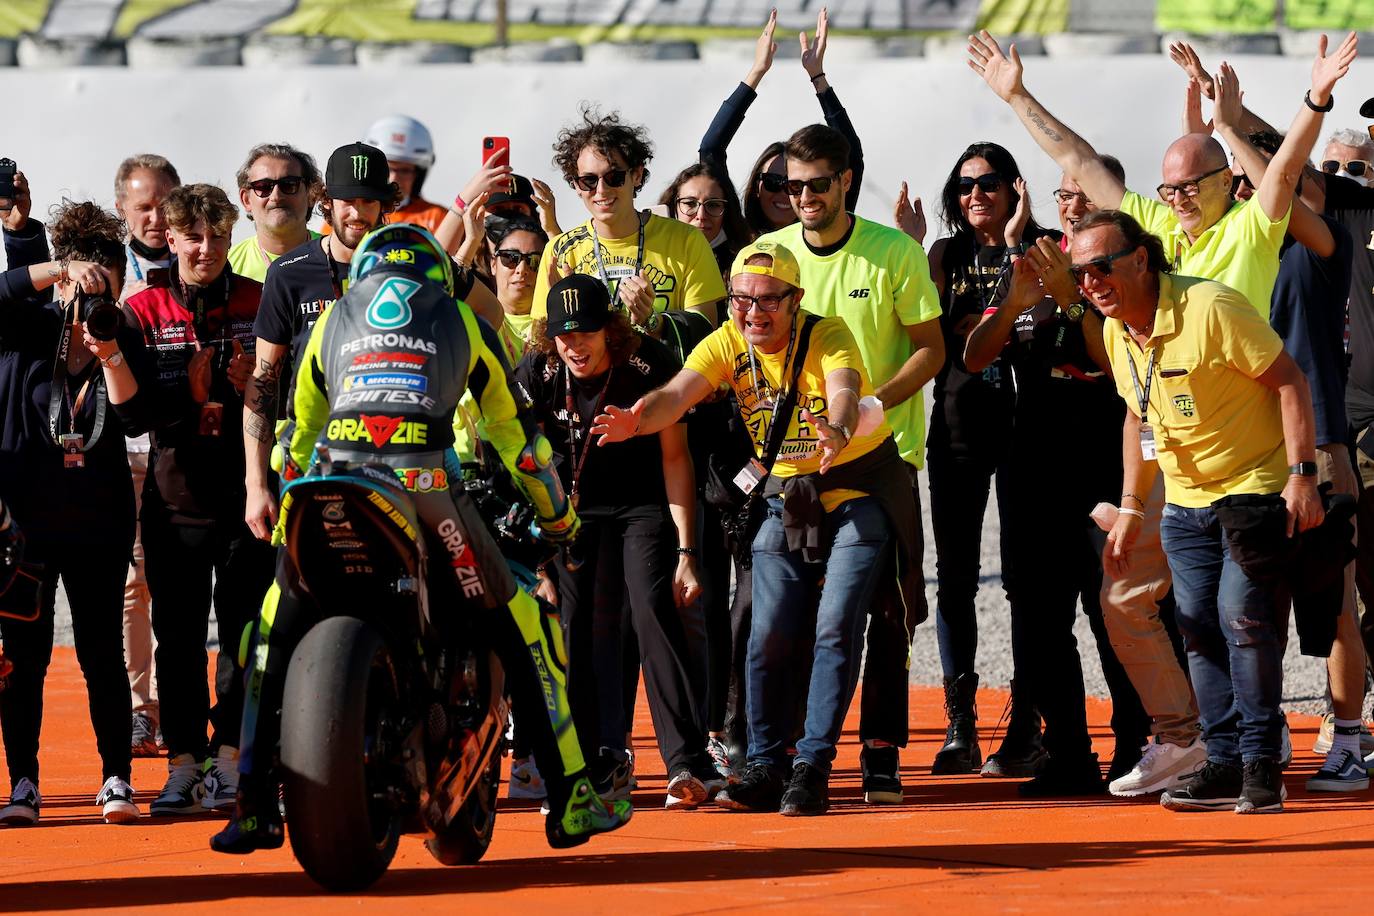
[1161,767]
[184,789]
[221,780]
[1327,733]
[23,807]
[117,799]
[525,781]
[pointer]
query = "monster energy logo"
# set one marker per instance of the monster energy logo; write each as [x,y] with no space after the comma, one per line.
[570,301]
[359,167]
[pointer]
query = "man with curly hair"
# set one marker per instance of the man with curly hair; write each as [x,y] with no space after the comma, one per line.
[650,264]
[200,329]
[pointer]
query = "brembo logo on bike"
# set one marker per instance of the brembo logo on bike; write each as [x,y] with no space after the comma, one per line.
[464,563]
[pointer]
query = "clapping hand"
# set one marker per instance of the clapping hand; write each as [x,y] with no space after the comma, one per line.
[909,216]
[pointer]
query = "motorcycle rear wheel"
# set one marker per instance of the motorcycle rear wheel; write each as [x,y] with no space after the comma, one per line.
[339,687]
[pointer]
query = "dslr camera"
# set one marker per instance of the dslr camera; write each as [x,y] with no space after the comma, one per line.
[99,313]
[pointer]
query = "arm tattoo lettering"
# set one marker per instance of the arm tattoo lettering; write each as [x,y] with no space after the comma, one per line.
[1044,127]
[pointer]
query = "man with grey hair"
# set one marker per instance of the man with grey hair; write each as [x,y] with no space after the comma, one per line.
[1349,153]
[278,184]
[141,184]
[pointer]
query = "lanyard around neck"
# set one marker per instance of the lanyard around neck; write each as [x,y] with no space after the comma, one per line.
[780,394]
[601,264]
[578,460]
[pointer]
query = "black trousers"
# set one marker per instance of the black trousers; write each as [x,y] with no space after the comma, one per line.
[716,562]
[628,554]
[94,578]
[188,567]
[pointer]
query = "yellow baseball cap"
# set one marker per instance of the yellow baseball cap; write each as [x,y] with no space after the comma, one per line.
[784,266]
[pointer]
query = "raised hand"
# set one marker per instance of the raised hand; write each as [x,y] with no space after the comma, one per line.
[548,207]
[1192,110]
[17,213]
[1229,104]
[474,230]
[1182,53]
[909,216]
[813,52]
[1020,217]
[1002,73]
[1051,266]
[1328,70]
[764,49]
[494,175]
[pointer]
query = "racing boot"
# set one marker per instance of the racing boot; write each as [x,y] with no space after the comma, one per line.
[584,815]
[255,824]
[961,753]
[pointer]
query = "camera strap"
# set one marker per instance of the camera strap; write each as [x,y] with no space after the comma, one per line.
[95,381]
[783,409]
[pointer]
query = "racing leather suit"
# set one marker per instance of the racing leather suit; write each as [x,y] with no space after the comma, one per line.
[378,382]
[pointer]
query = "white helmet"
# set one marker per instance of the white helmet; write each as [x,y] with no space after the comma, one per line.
[402,139]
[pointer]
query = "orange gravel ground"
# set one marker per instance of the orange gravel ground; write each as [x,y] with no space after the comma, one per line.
[958,844]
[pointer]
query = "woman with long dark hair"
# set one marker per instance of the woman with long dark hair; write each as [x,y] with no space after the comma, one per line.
[702,195]
[987,214]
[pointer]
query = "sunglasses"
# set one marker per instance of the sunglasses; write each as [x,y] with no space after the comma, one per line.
[1098,268]
[742,303]
[1241,181]
[990,183]
[1355,168]
[615,178]
[772,182]
[1188,188]
[688,206]
[289,185]
[815,185]
[510,258]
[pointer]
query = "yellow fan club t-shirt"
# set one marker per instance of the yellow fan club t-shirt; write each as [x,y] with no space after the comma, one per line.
[723,359]
[878,284]
[677,259]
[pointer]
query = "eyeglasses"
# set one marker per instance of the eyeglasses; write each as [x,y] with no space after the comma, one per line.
[1067,197]
[772,182]
[742,303]
[1098,268]
[816,185]
[989,183]
[1355,168]
[1188,188]
[511,258]
[615,178]
[289,185]
[688,206]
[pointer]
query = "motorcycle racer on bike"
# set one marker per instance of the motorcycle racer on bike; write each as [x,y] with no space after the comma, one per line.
[378,383]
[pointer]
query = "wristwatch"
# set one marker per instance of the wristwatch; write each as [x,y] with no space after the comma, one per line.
[1076,311]
[114,360]
[1303,469]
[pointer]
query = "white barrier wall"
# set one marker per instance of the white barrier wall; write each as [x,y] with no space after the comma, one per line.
[69,129]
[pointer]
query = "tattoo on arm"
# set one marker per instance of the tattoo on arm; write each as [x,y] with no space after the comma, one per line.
[258,427]
[1044,126]
[261,400]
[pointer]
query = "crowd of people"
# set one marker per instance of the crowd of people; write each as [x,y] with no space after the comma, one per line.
[1172,393]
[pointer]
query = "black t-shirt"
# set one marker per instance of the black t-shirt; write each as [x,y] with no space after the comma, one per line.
[299,286]
[616,476]
[972,414]
[1352,205]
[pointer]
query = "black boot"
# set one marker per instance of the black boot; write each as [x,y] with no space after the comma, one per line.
[1021,753]
[255,824]
[961,753]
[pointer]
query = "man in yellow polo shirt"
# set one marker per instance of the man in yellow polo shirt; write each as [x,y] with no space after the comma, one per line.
[1212,394]
[838,501]
[651,264]
[278,184]
[1206,232]
[876,279]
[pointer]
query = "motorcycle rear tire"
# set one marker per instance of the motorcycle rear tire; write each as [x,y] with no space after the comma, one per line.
[466,840]
[338,832]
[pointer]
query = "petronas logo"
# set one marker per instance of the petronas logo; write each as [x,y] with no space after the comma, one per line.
[390,307]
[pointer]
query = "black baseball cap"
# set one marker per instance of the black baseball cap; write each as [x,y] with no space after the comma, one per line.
[519,192]
[1367,109]
[577,303]
[357,170]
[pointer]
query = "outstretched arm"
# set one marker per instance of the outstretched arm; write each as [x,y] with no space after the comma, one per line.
[654,412]
[1073,154]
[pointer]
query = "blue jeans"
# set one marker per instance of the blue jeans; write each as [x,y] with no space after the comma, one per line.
[1230,629]
[796,603]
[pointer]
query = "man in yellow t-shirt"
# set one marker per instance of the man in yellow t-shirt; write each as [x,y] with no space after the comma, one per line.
[649,263]
[876,279]
[1211,391]
[847,503]
[278,184]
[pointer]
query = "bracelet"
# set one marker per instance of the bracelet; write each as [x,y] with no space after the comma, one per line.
[1330,102]
[1134,497]
[458,203]
[688,552]
[1136,512]
[820,75]
[64,265]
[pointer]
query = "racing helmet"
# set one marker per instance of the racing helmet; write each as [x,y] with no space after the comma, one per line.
[402,139]
[403,245]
